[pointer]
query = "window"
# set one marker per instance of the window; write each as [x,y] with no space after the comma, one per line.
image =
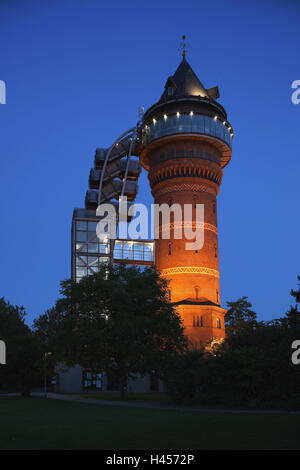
[92,226]
[134,251]
[92,247]
[92,237]
[217,292]
[81,237]
[196,292]
[81,261]
[148,252]
[92,380]
[218,323]
[128,250]
[207,124]
[92,261]
[170,91]
[81,225]
[201,124]
[81,247]
[81,271]
[104,248]
[215,251]
[197,321]
[170,294]
[170,248]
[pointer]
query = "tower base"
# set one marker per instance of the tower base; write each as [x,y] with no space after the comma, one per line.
[203,321]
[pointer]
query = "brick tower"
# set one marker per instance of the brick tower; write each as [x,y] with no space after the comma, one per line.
[186,144]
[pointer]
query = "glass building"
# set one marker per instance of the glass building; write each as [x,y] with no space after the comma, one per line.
[88,252]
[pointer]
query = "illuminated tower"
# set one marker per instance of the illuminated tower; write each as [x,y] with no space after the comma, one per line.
[186,144]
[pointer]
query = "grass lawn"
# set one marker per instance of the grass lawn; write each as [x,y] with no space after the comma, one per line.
[38,423]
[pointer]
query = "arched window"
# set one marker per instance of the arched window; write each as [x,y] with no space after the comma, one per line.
[218,323]
[196,292]
[217,293]
[215,251]
[170,248]
[170,294]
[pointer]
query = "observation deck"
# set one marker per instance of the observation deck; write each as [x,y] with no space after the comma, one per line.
[217,131]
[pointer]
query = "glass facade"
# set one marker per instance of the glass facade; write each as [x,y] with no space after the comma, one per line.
[187,123]
[89,253]
[134,250]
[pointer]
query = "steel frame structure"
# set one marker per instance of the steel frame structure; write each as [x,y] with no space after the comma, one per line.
[114,176]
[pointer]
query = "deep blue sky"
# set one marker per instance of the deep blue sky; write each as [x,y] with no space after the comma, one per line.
[76,73]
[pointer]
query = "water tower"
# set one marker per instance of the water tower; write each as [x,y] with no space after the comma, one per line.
[185,146]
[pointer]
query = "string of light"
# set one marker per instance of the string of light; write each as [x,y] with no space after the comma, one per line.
[191,113]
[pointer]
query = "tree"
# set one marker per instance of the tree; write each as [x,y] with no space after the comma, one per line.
[183,375]
[239,316]
[252,367]
[51,338]
[296,293]
[118,319]
[292,316]
[22,363]
[291,320]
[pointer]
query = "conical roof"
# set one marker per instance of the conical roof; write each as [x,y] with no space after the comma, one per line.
[184,82]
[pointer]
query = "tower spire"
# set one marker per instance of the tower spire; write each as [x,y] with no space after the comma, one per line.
[183,46]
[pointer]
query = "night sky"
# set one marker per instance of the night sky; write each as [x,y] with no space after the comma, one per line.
[76,73]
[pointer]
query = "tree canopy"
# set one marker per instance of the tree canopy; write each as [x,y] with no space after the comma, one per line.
[117,319]
[120,320]
[21,370]
[252,367]
[239,316]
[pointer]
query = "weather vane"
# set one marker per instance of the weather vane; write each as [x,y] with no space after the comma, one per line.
[183,46]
